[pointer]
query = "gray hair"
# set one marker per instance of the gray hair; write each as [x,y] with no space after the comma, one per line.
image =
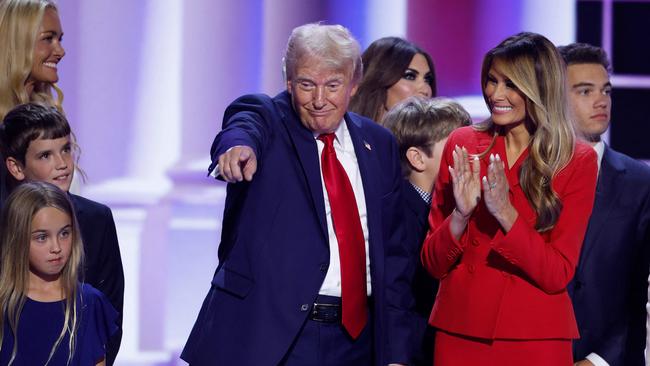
[333,44]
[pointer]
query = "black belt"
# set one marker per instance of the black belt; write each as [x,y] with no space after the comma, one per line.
[327,309]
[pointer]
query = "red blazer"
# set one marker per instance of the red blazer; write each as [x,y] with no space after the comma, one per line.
[508,285]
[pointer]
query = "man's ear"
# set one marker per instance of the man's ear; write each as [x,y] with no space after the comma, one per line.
[354,89]
[289,86]
[15,168]
[415,158]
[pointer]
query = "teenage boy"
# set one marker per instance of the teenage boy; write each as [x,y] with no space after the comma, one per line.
[609,289]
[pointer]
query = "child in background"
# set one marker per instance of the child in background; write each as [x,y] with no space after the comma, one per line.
[421,127]
[46,316]
[36,145]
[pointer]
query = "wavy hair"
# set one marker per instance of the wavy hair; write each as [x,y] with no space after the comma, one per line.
[15,237]
[19,24]
[534,66]
[384,63]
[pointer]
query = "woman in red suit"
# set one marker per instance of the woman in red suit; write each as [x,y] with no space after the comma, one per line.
[508,217]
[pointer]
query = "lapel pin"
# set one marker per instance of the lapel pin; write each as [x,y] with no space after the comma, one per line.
[367,145]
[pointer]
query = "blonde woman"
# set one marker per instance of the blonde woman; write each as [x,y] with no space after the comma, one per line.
[508,216]
[46,316]
[30,37]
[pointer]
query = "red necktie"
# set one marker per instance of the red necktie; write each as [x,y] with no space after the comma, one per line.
[352,245]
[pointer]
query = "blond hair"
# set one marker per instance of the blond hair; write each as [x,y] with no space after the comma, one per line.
[19,24]
[534,66]
[15,228]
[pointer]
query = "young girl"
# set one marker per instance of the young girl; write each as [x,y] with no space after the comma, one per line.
[46,316]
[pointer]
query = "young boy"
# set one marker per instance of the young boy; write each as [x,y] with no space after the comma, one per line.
[421,127]
[36,146]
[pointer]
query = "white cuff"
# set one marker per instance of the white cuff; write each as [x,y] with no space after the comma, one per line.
[215,172]
[596,360]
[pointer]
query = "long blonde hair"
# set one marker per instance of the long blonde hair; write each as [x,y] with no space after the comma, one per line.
[15,228]
[19,24]
[535,67]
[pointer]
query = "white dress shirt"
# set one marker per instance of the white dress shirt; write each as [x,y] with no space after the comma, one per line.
[345,153]
[600,151]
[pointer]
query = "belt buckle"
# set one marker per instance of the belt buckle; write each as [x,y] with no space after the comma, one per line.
[326,313]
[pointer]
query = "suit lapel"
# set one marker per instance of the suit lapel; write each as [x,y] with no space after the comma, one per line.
[307,152]
[606,197]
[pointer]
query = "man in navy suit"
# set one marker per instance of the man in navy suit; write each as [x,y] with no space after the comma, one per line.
[276,296]
[609,290]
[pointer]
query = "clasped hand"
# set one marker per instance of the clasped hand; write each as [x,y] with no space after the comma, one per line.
[467,184]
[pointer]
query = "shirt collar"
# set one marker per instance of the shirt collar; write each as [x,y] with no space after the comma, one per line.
[340,133]
[600,150]
[426,196]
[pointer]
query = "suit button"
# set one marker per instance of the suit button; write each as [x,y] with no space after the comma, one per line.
[475,242]
[471,268]
[304,307]
[323,267]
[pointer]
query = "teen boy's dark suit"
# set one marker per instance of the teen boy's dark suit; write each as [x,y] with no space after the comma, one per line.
[274,250]
[425,287]
[609,290]
[102,261]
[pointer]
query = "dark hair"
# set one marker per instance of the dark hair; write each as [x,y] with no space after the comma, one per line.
[26,123]
[584,53]
[384,62]
[419,122]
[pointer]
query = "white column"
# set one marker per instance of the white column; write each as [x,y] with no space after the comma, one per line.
[555,19]
[385,18]
[278,23]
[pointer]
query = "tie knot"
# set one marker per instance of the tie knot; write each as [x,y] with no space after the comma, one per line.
[328,139]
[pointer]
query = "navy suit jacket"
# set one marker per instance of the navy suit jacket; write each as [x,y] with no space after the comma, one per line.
[609,290]
[102,260]
[424,286]
[274,250]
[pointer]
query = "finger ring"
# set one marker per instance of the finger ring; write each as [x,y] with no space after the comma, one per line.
[493,184]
